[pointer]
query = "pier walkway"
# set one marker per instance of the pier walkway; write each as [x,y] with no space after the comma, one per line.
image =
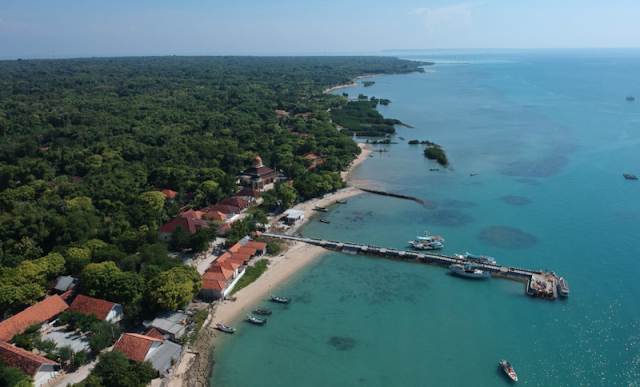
[534,278]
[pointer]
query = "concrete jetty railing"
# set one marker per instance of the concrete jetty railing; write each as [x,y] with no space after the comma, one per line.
[498,271]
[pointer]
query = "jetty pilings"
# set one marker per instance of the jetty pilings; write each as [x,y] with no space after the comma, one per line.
[395,195]
[533,278]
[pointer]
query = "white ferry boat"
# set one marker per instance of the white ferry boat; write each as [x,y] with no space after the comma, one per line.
[563,287]
[427,242]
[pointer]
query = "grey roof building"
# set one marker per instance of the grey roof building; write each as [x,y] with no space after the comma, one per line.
[173,324]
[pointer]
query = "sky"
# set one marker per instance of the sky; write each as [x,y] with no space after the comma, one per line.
[81,28]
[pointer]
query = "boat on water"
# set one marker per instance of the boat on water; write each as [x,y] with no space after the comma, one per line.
[341,201]
[402,138]
[472,174]
[262,312]
[631,98]
[434,169]
[508,369]
[323,220]
[477,258]
[225,328]
[469,270]
[427,242]
[256,320]
[563,287]
[281,299]
[321,209]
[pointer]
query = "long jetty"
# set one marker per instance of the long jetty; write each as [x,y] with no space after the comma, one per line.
[395,195]
[533,278]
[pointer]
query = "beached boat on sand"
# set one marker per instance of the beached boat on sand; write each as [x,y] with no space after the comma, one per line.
[469,270]
[321,209]
[341,201]
[281,299]
[256,320]
[225,328]
[508,369]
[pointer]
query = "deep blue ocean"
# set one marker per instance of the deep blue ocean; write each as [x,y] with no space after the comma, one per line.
[549,135]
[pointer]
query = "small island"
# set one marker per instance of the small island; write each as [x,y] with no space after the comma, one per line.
[368,83]
[423,142]
[435,152]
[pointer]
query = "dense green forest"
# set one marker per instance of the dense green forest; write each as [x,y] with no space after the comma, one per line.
[84,142]
[362,119]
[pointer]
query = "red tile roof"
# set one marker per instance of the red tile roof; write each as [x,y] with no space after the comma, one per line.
[213,285]
[248,192]
[190,225]
[27,362]
[235,248]
[311,156]
[213,276]
[135,347]
[213,214]
[192,214]
[260,246]
[153,332]
[225,265]
[89,305]
[248,250]
[37,314]
[225,227]
[223,257]
[219,269]
[235,202]
[238,262]
[244,257]
[167,192]
[224,208]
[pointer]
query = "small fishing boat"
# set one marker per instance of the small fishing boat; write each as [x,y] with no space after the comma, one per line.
[508,369]
[323,220]
[263,312]
[402,138]
[434,169]
[321,209]
[371,155]
[472,174]
[341,201]
[256,320]
[631,98]
[563,287]
[427,242]
[225,328]
[469,270]
[281,299]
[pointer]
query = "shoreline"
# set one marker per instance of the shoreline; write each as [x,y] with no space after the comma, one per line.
[353,82]
[196,363]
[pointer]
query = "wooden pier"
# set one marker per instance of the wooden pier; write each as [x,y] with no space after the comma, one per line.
[540,284]
[384,193]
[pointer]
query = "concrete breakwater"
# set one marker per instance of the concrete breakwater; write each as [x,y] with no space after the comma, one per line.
[384,193]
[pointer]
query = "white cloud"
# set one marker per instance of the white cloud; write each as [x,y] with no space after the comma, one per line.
[459,14]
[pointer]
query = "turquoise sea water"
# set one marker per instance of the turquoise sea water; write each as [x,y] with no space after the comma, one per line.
[549,134]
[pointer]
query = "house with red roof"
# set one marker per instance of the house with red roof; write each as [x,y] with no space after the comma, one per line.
[225,209]
[40,313]
[39,368]
[236,202]
[257,176]
[247,193]
[192,214]
[190,225]
[260,247]
[213,215]
[159,352]
[103,310]
[167,192]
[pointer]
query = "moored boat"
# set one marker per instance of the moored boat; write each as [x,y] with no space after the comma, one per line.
[563,287]
[434,169]
[225,328]
[281,299]
[508,369]
[631,98]
[261,311]
[427,242]
[321,209]
[477,258]
[341,201]
[256,320]
[469,270]
[323,220]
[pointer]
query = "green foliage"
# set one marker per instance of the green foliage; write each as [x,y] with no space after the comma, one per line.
[273,248]
[436,153]
[423,142]
[77,320]
[114,370]
[199,318]
[11,376]
[287,195]
[368,83]
[104,334]
[172,289]
[27,339]
[252,273]
[180,239]
[79,358]
[153,199]
[317,184]
[106,281]
[362,119]
[239,229]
